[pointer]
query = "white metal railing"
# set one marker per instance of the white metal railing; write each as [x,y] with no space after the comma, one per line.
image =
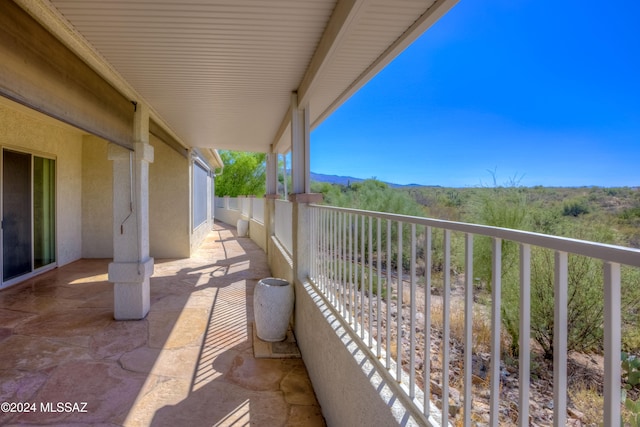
[249,207]
[258,210]
[283,221]
[365,263]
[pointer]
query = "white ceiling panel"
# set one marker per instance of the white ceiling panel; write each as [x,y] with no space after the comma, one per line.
[220,74]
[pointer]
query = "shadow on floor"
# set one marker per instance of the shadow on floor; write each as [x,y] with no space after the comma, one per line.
[190,362]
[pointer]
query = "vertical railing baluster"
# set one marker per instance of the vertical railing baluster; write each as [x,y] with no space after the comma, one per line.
[496,285]
[446,325]
[399,306]
[356,282]
[370,297]
[525,333]
[332,277]
[345,281]
[321,264]
[379,288]
[327,251]
[312,236]
[612,343]
[325,238]
[412,321]
[330,257]
[389,291]
[318,243]
[468,326]
[428,266]
[350,296]
[560,334]
[340,283]
[362,275]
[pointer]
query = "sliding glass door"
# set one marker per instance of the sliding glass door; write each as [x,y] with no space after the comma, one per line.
[16,214]
[28,213]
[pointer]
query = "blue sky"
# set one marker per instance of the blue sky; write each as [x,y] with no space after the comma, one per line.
[547,93]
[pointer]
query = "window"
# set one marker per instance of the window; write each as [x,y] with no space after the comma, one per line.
[200,194]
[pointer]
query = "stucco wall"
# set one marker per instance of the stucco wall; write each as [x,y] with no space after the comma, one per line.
[27,130]
[168,203]
[97,199]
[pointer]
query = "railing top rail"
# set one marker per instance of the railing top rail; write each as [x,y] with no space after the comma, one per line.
[605,252]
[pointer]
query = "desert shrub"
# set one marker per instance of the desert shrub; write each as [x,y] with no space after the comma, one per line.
[630,277]
[585,302]
[500,207]
[507,207]
[585,295]
[576,208]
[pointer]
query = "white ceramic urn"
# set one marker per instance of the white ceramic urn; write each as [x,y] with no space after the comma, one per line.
[242,227]
[272,308]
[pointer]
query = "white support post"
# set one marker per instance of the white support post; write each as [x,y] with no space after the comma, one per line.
[131,267]
[272,173]
[300,134]
[301,187]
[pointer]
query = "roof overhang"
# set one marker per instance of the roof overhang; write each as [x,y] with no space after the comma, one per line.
[219,74]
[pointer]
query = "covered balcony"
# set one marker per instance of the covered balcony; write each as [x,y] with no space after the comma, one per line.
[127,102]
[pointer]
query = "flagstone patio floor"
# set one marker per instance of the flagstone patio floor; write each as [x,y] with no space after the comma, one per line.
[190,362]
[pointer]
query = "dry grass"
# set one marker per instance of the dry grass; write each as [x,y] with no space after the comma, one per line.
[481,327]
[589,402]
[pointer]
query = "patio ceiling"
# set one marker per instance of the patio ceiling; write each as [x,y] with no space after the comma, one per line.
[219,74]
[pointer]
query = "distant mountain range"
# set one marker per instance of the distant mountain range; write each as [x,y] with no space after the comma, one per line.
[346,180]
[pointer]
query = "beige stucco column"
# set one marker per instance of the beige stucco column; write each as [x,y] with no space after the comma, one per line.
[131,267]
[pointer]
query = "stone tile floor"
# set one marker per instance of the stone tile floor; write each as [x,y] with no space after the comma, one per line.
[190,362]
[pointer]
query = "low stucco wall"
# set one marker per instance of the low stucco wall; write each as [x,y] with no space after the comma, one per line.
[346,382]
[228,216]
[279,261]
[258,233]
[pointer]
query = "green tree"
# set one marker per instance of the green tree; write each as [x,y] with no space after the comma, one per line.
[244,174]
